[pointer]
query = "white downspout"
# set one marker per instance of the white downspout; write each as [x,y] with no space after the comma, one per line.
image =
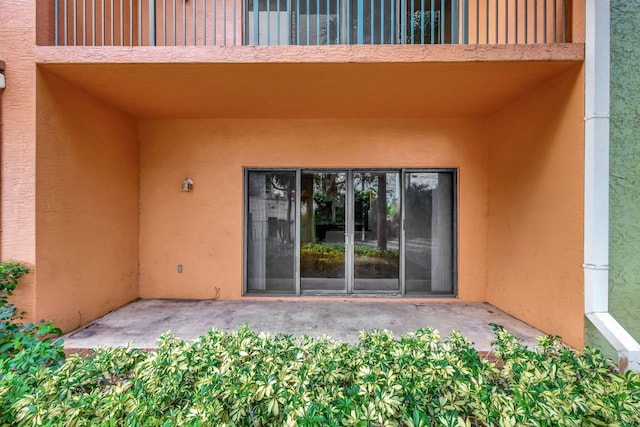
[596,181]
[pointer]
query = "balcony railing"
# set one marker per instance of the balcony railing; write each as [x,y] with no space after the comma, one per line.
[307,22]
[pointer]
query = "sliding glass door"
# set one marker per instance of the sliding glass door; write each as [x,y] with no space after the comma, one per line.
[350,232]
[270,231]
[322,232]
[376,231]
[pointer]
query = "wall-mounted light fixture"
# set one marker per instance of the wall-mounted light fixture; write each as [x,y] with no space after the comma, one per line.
[2,80]
[187,184]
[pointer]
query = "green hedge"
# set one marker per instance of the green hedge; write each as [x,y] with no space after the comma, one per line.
[250,379]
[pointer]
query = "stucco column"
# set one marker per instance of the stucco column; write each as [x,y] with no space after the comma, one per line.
[17,40]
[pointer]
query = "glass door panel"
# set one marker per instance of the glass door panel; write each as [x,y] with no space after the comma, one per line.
[322,231]
[429,250]
[376,242]
[270,231]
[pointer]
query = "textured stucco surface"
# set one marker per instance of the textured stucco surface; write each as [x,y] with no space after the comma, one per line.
[84,238]
[17,45]
[86,205]
[536,207]
[624,238]
[203,229]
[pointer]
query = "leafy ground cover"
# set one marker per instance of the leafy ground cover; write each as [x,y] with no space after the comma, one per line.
[249,379]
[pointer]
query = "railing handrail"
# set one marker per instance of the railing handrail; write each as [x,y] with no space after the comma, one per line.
[307,22]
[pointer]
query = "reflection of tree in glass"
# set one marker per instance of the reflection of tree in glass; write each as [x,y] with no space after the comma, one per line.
[283,185]
[368,187]
[328,186]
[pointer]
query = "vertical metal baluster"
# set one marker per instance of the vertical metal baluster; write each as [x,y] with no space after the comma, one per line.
[564,21]
[140,22]
[535,21]
[175,24]
[497,19]
[328,19]
[516,22]
[121,22]
[215,24]
[297,22]
[443,19]
[454,21]
[268,22]
[338,22]
[66,16]
[421,21]
[526,21]
[477,21]
[194,18]
[413,22]
[544,21]
[318,22]
[506,22]
[308,24]
[235,8]
[113,24]
[56,26]
[382,15]
[184,22]
[403,21]
[555,21]
[256,24]
[348,23]
[433,21]
[204,22]
[104,43]
[360,21]
[278,22]
[164,22]
[465,22]
[487,20]
[372,21]
[392,30]
[93,23]
[224,22]
[130,22]
[153,27]
[84,22]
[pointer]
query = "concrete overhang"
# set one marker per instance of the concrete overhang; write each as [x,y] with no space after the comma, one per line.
[310,81]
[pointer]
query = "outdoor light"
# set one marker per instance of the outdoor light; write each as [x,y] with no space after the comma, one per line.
[187,184]
[2,80]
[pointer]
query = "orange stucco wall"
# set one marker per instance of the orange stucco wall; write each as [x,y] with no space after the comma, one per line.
[202,230]
[17,43]
[536,207]
[91,195]
[86,205]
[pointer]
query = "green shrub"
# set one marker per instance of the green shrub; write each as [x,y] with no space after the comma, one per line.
[250,379]
[23,346]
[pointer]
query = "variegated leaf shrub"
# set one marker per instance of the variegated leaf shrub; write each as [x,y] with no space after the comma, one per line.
[24,346]
[250,379]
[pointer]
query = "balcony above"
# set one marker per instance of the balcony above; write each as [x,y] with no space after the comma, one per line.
[305,22]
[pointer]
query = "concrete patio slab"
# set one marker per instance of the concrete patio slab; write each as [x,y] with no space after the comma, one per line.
[142,322]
